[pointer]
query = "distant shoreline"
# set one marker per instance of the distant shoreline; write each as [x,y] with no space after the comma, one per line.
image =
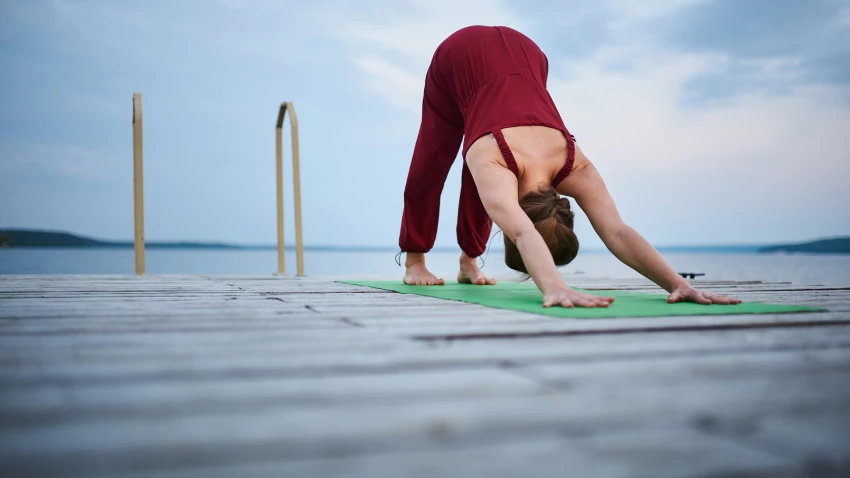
[35,239]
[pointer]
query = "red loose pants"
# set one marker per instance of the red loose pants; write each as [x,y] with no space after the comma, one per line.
[481,79]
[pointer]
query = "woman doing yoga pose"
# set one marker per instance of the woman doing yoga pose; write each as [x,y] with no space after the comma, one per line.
[486,90]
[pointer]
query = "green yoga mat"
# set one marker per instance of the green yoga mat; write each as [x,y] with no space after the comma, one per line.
[525,297]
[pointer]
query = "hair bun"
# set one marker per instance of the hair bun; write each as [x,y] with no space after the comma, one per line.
[553,218]
[562,212]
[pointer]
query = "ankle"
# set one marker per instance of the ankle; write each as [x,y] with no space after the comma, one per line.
[465,259]
[413,259]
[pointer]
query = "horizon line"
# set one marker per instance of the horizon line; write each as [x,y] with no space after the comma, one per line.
[373,247]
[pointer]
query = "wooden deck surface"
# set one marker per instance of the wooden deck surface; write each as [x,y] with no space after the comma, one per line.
[263,376]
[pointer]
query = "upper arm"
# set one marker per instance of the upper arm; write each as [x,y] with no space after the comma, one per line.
[497,188]
[588,189]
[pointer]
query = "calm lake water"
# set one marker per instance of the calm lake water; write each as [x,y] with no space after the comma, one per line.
[808,269]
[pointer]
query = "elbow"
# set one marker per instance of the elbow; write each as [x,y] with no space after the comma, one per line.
[517,234]
[514,235]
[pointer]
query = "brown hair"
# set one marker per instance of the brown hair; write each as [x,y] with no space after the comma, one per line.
[551,215]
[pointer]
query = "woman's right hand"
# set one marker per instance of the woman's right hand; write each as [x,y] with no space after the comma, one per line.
[569,298]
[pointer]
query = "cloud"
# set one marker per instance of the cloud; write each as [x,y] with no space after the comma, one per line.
[393,49]
[234,4]
[635,120]
[751,167]
[401,88]
[77,14]
[842,19]
[625,12]
[809,40]
[415,28]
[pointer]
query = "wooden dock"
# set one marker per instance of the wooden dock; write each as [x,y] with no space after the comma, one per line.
[262,376]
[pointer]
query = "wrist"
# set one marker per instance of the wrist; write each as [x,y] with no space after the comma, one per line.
[553,285]
[677,282]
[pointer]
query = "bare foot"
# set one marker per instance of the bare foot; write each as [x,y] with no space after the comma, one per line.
[418,274]
[470,273]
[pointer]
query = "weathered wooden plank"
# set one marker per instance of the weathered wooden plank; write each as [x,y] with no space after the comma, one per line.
[518,322]
[820,435]
[545,456]
[322,431]
[709,368]
[22,406]
[181,358]
[344,346]
[76,402]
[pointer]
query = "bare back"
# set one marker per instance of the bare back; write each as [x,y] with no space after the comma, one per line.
[539,151]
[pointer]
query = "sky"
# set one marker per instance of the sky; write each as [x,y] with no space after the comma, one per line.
[712,121]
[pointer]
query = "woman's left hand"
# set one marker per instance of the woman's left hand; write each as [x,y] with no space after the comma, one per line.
[686,293]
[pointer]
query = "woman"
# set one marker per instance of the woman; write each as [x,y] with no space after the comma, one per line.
[486,88]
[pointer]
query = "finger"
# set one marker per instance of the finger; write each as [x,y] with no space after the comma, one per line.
[731,300]
[676,296]
[595,301]
[700,298]
[491,281]
[719,299]
[602,300]
[589,304]
[567,304]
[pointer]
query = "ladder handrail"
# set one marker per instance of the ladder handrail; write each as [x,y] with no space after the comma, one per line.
[138,187]
[296,179]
